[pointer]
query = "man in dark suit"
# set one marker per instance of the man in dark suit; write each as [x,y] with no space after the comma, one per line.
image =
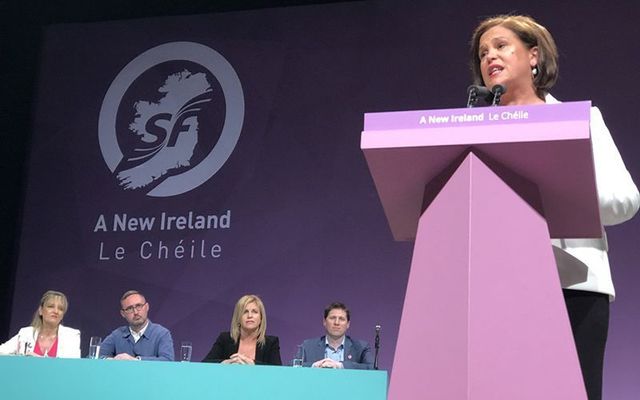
[336,349]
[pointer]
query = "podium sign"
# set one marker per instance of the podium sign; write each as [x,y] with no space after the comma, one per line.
[482,191]
[545,144]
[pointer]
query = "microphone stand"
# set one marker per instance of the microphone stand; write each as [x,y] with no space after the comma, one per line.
[377,347]
[473,96]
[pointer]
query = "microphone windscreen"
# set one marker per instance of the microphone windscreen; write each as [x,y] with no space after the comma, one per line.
[481,91]
[499,89]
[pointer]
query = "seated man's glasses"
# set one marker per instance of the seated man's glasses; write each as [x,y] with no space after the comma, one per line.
[136,307]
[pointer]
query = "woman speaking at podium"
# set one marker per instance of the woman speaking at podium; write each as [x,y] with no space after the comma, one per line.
[518,53]
[46,337]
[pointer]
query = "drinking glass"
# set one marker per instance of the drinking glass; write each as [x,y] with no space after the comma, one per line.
[185,351]
[299,358]
[94,347]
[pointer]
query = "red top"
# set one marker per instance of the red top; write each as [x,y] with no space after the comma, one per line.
[53,351]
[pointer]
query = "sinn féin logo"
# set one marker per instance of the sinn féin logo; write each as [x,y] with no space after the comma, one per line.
[171,119]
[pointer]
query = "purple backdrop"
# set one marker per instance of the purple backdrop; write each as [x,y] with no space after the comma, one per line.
[306,226]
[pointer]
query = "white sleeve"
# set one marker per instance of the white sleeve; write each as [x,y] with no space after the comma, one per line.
[10,346]
[71,345]
[76,345]
[618,196]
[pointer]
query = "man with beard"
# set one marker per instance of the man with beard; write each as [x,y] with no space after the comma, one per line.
[141,339]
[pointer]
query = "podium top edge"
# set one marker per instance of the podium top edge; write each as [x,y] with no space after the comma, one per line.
[457,117]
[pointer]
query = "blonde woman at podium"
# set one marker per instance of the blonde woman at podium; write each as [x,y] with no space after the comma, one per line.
[46,337]
[518,53]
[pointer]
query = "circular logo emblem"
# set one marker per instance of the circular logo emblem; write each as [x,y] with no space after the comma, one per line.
[171,119]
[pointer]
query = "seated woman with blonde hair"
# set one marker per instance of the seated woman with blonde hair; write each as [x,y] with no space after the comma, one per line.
[46,337]
[247,342]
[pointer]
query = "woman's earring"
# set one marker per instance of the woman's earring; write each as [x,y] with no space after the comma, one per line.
[534,71]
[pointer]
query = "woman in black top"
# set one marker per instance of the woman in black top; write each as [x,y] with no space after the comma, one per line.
[246,342]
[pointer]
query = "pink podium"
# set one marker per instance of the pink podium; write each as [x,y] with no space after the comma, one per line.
[482,191]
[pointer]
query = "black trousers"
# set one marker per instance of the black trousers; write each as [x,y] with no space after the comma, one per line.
[589,317]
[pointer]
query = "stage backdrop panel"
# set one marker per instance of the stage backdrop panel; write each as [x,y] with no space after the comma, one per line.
[200,158]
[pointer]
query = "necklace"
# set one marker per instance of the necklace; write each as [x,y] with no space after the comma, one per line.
[44,337]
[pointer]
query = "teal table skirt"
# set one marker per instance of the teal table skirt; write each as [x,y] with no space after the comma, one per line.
[50,378]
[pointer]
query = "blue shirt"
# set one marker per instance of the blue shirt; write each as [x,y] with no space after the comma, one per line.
[334,354]
[155,344]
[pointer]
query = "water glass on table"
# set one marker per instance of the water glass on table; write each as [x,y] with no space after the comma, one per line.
[185,351]
[94,347]
[299,358]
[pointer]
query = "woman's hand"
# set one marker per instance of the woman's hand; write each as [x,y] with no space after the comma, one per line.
[239,358]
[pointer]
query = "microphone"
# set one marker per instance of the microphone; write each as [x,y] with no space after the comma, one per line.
[475,91]
[377,347]
[498,91]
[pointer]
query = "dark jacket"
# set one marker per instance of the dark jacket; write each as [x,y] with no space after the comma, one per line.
[224,347]
[357,353]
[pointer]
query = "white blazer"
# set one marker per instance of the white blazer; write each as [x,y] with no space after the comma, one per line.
[25,342]
[583,264]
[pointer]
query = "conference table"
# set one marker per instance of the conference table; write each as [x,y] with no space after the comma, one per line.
[51,378]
